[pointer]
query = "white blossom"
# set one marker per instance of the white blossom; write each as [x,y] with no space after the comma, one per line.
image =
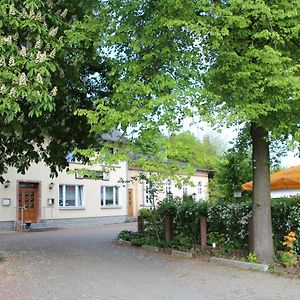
[23,79]
[50,4]
[52,54]
[2,89]
[23,51]
[11,61]
[13,93]
[8,40]
[39,78]
[16,36]
[38,43]
[64,13]
[54,92]
[31,14]
[12,10]
[24,13]
[39,16]
[40,57]
[53,31]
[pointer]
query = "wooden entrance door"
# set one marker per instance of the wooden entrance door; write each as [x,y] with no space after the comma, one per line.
[130,203]
[28,205]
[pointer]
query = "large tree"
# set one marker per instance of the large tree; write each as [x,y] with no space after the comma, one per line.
[252,53]
[44,78]
[247,55]
[153,67]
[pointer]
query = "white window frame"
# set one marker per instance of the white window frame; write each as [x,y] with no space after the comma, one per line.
[78,191]
[200,191]
[148,200]
[184,189]
[116,196]
[168,187]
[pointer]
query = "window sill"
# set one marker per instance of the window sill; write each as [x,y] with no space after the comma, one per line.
[72,208]
[111,207]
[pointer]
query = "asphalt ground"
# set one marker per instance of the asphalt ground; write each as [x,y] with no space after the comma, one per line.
[86,264]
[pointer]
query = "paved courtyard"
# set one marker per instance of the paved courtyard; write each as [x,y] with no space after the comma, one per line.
[85,264]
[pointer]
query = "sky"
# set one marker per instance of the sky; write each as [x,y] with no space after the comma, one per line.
[200,129]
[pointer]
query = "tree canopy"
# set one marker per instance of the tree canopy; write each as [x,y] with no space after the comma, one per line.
[252,76]
[44,78]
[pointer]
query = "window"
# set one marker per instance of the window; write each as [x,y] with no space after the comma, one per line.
[168,188]
[149,193]
[109,196]
[199,191]
[70,195]
[184,188]
[91,175]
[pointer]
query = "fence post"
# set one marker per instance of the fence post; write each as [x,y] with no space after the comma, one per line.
[168,224]
[250,235]
[140,224]
[203,232]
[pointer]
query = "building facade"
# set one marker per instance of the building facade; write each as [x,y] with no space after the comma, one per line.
[139,191]
[72,199]
[69,199]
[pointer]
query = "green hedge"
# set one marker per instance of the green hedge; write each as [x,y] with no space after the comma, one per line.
[227,222]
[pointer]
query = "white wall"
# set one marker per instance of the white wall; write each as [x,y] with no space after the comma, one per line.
[138,188]
[91,192]
[284,193]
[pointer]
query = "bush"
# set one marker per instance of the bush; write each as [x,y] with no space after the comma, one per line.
[230,221]
[227,222]
[168,207]
[126,235]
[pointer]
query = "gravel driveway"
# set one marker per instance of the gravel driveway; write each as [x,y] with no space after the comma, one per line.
[85,264]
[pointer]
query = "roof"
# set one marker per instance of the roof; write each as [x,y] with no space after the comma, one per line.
[285,179]
[113,136]
[136,156]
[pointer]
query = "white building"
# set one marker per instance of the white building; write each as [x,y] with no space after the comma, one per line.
[71,199]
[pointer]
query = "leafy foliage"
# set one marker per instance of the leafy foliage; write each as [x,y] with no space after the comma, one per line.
[187,148]
[227,223]
[252,77]
[42,82]
[230,220]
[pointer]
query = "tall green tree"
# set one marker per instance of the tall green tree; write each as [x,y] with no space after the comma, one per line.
[189,149]
[44,78]
[153,68]
[252,76]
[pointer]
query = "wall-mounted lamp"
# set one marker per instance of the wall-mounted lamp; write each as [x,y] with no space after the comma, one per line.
[6,183]
[194,195]
[237,194]
[51,186]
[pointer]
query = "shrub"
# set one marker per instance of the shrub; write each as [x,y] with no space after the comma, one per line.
[168,207]
[187,220]
[230,220]
[227,222]
[126,235]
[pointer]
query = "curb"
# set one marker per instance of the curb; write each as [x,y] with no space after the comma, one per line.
[240,264]
[177,253]
[150,248]
[122,242]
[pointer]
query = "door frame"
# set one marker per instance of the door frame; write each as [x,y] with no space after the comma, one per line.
[38,198]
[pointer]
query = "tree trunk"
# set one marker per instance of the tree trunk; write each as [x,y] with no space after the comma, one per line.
[261,203]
